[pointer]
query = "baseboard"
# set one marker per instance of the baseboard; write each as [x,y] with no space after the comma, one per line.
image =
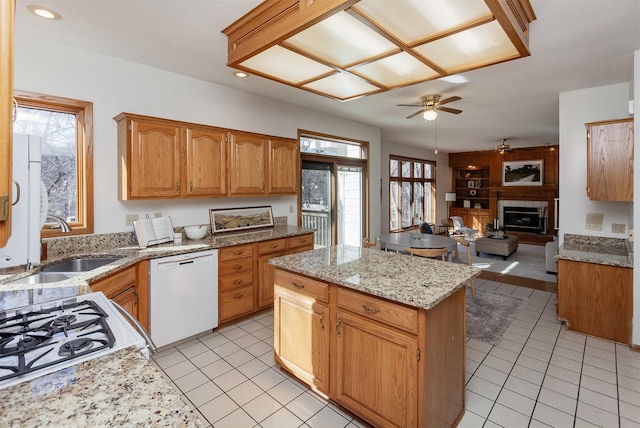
[520,281]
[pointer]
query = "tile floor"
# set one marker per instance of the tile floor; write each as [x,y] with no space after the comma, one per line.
[539,375]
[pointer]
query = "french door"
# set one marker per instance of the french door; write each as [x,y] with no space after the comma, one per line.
[333,200]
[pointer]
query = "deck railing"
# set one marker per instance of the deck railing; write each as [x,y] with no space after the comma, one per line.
[319,222]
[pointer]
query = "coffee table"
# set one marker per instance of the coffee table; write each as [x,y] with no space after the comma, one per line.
[504,246]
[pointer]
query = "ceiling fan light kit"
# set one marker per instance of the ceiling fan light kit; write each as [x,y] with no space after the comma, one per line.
[382,45]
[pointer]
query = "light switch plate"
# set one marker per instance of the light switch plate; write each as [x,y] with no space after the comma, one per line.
[594,221]
[130,218]
[618,228]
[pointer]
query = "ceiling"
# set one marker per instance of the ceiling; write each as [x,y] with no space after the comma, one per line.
[574,44]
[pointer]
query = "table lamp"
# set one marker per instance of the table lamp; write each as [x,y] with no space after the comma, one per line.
[449,197]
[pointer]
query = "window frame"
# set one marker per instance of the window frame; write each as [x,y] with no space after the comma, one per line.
[83,111]
[411,180]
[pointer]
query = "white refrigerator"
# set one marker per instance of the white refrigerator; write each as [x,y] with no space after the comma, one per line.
[23,247]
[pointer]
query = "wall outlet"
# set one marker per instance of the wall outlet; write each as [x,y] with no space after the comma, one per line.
[630,234]
[290,208]
[157,214]
[618,228]
[130,218]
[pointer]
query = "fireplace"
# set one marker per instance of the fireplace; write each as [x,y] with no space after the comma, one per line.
[524,219]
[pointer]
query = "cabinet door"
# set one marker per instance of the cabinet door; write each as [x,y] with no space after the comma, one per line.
[122,287]
[266,278]
[206,162]
[6,116]
[246,164]
[236,303]
[375,371]
[128,299]
[610,161]
[283,166]
[303,346]
[155,160]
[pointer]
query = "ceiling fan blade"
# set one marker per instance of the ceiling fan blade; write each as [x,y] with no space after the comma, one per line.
[415,114]
[408,105]
[450,110]
[449,100]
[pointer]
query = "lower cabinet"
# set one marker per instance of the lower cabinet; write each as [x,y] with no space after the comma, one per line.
[392,365]
[596,299]
[246,277]
[130,289]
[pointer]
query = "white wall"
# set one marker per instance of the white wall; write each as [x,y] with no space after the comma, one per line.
[114,86]
[576,109]
[635,337]
[443,177]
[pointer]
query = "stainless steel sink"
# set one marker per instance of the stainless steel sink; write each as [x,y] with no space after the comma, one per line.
[75,266]
[40,278]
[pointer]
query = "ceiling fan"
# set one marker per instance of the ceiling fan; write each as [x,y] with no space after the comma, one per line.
[430,105]
[502,147]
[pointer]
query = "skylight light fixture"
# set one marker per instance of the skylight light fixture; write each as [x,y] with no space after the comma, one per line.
[44,12]
[346,49]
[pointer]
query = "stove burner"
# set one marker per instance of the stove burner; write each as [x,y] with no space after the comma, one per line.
[63,321]
[75,346]
[30,342]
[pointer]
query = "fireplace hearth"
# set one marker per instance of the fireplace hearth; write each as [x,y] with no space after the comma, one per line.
[524,219]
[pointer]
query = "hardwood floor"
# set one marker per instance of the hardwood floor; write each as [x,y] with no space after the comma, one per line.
[536,284]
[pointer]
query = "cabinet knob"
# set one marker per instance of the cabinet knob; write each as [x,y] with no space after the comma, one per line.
[238,281]
[237,267]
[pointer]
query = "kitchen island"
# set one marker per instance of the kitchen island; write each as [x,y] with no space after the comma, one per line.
[381,334]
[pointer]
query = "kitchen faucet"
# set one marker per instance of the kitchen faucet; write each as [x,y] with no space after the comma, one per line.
[64,226]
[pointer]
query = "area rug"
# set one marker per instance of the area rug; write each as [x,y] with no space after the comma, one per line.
[490,314]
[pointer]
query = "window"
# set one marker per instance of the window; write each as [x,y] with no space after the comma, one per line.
[412,192]
[65,127]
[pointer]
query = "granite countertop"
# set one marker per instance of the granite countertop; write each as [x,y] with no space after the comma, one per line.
[118,389]
[414,281]
[133,394]
[598,250]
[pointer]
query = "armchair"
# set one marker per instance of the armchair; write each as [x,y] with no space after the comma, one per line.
[460,228]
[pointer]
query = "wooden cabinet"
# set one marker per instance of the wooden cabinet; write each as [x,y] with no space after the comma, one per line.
[130,289]
[284,158]
[391,364]
[246,278]
[165,159]
[596,299]
[304,351]
[206,149]
[610,160]
[473,217]
[7,12]
[246,164]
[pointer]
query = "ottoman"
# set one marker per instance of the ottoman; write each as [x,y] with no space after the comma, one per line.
[500,246]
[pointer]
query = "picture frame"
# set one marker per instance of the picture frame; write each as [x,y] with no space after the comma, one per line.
[233,219]
[472,192]
[522,173]
[471,183]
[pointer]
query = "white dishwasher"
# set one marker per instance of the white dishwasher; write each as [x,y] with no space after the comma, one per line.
[183,296]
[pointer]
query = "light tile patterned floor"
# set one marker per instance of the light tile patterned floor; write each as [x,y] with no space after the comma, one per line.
[539,375]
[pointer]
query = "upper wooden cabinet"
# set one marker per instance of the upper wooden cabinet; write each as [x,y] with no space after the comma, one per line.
[284,158]
[164,159]
[206,155]
[7,10]
[246,164]
[610,160]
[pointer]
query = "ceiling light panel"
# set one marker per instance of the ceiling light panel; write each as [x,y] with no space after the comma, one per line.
[286,65]
[341,40]
[415,20]
[470,49]
[342,86]
[397,70]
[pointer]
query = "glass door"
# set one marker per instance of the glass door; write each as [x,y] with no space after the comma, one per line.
[317,201]
[349,191]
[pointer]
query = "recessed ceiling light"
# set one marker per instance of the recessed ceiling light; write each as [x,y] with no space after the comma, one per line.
[44,12]
[240,74]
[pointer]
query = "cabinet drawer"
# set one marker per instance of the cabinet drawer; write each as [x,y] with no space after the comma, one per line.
[381,310]
[318,290]
[234,281]
[235,266]
[235,303]
[271,246]
[116,283]
[301,241]
[235,252]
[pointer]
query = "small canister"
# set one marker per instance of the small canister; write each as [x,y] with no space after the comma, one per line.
[177,238]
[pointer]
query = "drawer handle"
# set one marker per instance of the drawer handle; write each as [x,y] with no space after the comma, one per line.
[295,284]
[238,281]
[237,267]
[338,326]
[273,246]
[238,296]
[322,321]
[237,253]
[370,310]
